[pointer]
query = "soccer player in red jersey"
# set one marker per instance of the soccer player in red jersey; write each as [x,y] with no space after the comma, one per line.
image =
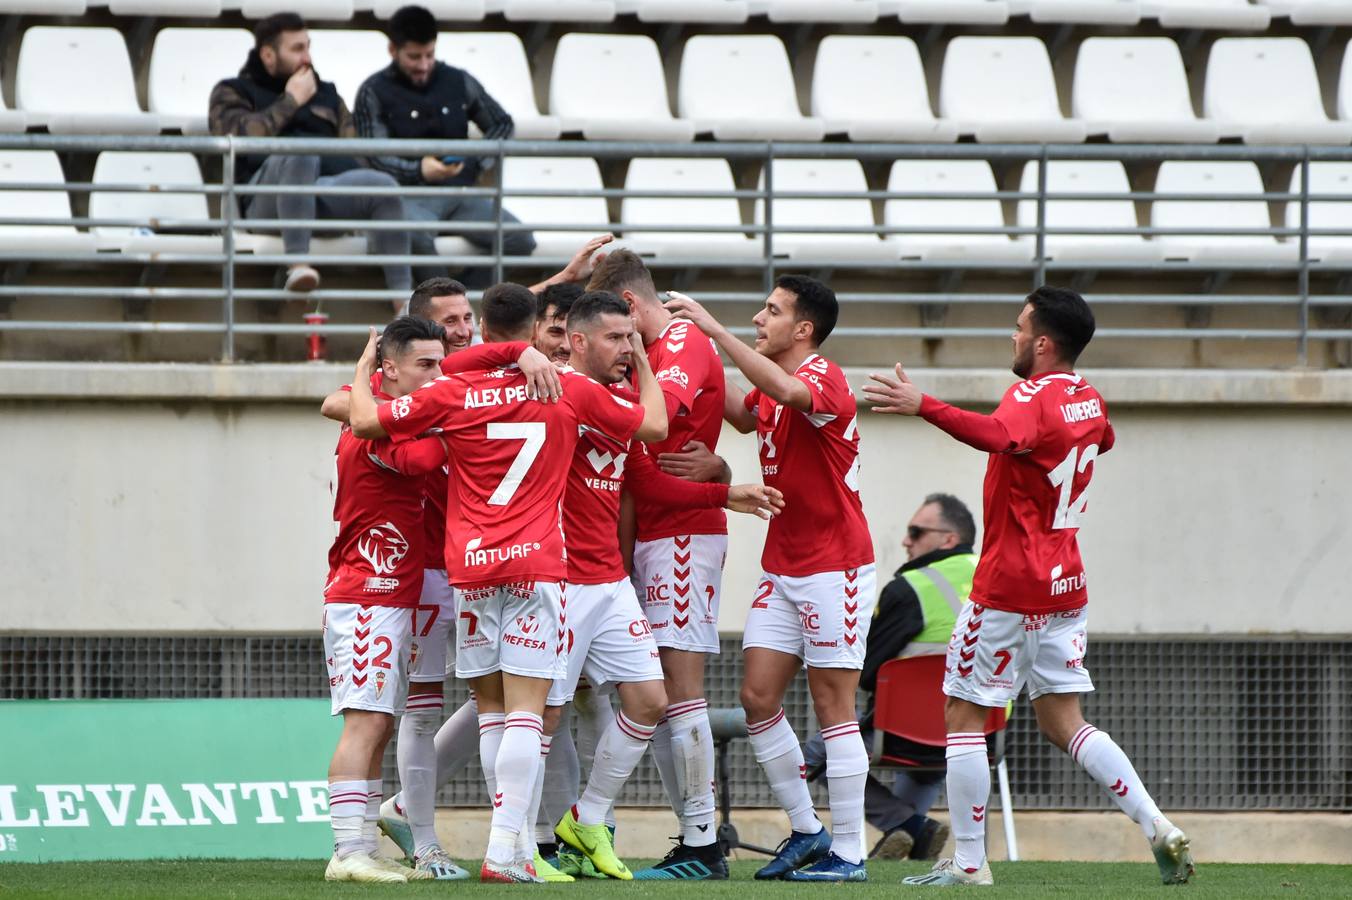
[814,603]
[1027,622]
[509,454]
[678,559]
[375,577]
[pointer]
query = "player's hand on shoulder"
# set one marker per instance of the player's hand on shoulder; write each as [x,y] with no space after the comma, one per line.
[895,395]
[756,500]
[542,376]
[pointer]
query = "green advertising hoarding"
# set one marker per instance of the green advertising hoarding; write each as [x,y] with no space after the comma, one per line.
[156,779]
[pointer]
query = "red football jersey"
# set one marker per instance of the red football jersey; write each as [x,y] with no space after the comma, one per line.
[510,458]
[601,467]
[690,373]
[378,488]
[814,459]
[1034,494]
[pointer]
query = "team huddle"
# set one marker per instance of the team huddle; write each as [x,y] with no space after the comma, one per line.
[543,514]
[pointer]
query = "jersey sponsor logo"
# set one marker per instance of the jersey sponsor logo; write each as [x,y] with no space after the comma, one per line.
[603,460]
[384,547]
[1083,411]
[400,406]
[478,398]
[476,555]
[376,585]
[1068,584]
[673,374]
[528,624]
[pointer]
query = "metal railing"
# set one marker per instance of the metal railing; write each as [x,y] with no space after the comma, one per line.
[1288,264]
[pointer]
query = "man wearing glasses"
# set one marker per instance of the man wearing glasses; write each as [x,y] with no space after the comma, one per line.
[915,615]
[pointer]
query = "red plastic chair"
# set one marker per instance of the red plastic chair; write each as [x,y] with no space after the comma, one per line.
[909,704]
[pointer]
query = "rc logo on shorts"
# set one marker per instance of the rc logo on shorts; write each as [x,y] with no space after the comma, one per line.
[811,618]
[384,547]
[640,629]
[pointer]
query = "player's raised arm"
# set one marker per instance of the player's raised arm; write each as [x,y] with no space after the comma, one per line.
[335,406]
[654,427]
[580,267]
[762,372]
[896,395]
[364,416]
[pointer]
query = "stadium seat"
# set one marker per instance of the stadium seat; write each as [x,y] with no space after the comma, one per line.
[11,120]
[44,7]
[554,10]
[444,10]
[1267,90]
[202,9]
[1227,14]
[1325,178]
[1311,12]
[740,87]
[1228,177]
[1135,89]
[561,224]
[1084,177]
[1088,12]
[830,177]
[156,169]
[611,87]
[185,64]
[37,167]
[322,10]
[873,89]
[678,175]
[498,60]
[841,11]
[1345,86]
[947,12]
[1002,89]
[348,57]
[955,176]
[703,12]
[79,81]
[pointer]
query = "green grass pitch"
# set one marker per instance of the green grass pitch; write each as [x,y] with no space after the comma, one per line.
[245,879]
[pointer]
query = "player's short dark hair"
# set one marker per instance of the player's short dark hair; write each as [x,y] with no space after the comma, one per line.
[420,302]
[1062,315]
[404,330]
[560,297]
[814,302]
[412,25]
[269,31]
[955,515]
[590,307]
[623,270]
[508,311]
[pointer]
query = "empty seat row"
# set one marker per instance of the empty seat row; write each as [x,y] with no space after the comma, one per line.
[1229,14]
[935,228]
[735,87]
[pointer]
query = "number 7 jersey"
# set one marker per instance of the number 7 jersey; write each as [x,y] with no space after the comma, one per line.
[1035,493]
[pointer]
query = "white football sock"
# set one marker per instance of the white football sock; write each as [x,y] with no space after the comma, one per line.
[692,747]
[347,811]
[1105,762]
[561,780]
[370,835]
[846,773]
[456,743]
[516,765]
[665,760]
[417,757]
[595,716]
[969,787]
[779,754]
[525,839]
[620,750]
[490,741]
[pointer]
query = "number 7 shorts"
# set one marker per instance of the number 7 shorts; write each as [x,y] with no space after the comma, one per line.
[366,650]
[994,653]
[822,619]
[433,630]
[513,628]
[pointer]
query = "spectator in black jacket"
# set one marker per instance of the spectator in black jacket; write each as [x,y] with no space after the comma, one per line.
[416,96]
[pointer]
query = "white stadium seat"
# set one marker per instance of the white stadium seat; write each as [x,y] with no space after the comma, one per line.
[1345,86]
[1135,89]
[324,10]
[703,12]
[1311,12]
[1325,178]
[348,57]
[95,96]
[1269,90]
[740,87]
[1089,12]
[11,120]
[44,7]
[831,178]
[561,224]
[1084,177]
[554,10]
[185,64]
[1227,14]
[202,9]
[873,89]
[1002,89]
[444,10]
[1228,177]
[37,167]
[947,12]
[498,60]
[118,167]
[842,11]
[954,176]
[612,87]
[677,175]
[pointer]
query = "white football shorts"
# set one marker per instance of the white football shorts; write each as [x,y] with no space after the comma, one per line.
[993,654]
[608,640]
[678,580]
[513,628]
[366,650]
[822,618]
[433,630]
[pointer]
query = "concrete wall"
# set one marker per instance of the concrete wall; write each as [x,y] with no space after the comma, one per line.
[195,498]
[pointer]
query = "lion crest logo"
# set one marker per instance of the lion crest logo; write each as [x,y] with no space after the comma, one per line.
[384,547]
